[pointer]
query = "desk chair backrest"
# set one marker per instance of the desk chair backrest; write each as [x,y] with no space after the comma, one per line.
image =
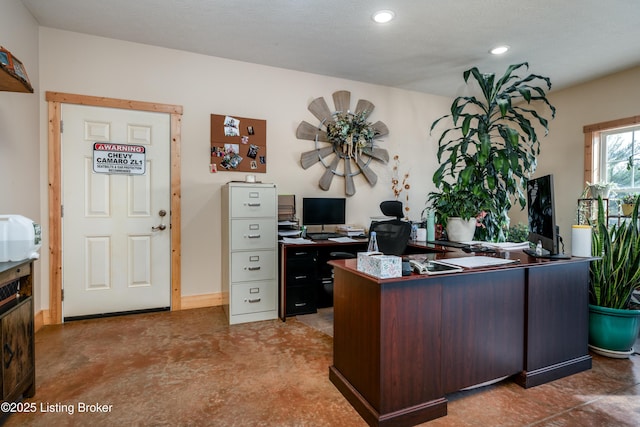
[392,235]
[392,208]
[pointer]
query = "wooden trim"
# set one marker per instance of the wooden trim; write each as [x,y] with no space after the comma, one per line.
[588,158]
[200,301]
[176,195]
[55,214]
[40,319]
[54,100]
[99,101]
[612,124]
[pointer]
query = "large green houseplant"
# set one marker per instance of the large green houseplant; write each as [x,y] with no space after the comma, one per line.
[614,322]
[490,151]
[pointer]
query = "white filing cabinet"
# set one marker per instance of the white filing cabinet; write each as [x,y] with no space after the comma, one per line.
[249,251]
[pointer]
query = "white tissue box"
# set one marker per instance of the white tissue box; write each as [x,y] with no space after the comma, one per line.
[379,265]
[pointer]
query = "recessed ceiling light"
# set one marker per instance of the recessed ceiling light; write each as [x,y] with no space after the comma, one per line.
[383,16]
[499,50]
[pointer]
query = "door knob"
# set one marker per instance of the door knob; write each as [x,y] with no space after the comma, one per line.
[162,212]
[159,228]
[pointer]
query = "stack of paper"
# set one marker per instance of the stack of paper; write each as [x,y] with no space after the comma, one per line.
[288,233]
[507,246]
[476,261]
[349,230]
[503,246]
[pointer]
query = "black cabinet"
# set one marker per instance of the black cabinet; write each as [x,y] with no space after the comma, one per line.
[306,280]
[301,281]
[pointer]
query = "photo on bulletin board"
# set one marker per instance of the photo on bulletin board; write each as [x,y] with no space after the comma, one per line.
[238,144]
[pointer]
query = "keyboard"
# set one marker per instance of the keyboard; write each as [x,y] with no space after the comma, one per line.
[323,236]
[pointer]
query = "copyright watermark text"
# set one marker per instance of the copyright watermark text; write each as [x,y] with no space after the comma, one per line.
[44,407]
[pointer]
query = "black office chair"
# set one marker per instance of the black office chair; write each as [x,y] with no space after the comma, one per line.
[392,208]
[392,235]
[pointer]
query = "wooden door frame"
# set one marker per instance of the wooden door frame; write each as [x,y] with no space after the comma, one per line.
[54,103]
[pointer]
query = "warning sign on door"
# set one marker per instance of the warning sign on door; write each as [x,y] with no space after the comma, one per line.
[119,158]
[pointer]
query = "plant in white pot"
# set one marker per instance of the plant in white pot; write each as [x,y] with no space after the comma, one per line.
[600,189]
[457,209]
[614,320]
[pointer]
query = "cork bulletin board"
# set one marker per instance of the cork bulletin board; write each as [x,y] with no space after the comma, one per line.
[238,144]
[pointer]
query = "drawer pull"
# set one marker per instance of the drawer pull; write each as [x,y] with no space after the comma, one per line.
[300,277]
[252,300]
[253,236]
[300,304]
[253,268]
[253,204]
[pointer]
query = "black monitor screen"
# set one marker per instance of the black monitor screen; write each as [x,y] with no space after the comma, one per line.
[323,211]
[541,213]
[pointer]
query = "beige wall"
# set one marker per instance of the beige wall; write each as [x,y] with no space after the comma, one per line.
[613,97]
[87,65]
[204,85]
[20,172]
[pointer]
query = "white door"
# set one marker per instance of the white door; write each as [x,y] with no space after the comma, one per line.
[115,238]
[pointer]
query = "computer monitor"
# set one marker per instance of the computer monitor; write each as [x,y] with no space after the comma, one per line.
[542,217]
[323,211]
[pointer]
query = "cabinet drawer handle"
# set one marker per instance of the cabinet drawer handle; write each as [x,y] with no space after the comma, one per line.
[252,300]
[7,349]
[253,268]
[253,204]
[300,304]
[300,277]
[253,236]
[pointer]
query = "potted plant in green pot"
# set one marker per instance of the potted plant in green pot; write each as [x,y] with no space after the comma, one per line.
[492,147]
[614,321]
[457,209]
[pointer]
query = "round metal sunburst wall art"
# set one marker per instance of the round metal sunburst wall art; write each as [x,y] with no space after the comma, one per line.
[344,141]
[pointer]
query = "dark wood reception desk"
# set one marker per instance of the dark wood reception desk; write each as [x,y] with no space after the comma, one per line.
[401,345]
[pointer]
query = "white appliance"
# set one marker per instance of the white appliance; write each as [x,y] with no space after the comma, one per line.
[20,238]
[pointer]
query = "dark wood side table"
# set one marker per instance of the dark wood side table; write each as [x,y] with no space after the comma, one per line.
[17,368]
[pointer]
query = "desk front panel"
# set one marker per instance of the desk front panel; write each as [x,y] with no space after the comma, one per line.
[483,327]
[558,314]
[387,340]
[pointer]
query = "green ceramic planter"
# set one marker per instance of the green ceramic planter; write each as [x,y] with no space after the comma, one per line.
[613,329]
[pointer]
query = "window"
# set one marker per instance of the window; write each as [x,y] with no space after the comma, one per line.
[620,159]
[612,154]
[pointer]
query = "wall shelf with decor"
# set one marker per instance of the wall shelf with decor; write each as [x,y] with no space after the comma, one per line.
[11,83]
[588,211]
[13,77]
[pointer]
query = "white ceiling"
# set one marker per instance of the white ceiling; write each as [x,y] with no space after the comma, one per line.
[426,48]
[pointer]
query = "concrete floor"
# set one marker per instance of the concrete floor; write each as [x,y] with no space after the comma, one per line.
[189,368]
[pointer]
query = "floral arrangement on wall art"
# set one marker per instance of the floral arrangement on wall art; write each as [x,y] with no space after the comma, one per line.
[351,131]
[398,186]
